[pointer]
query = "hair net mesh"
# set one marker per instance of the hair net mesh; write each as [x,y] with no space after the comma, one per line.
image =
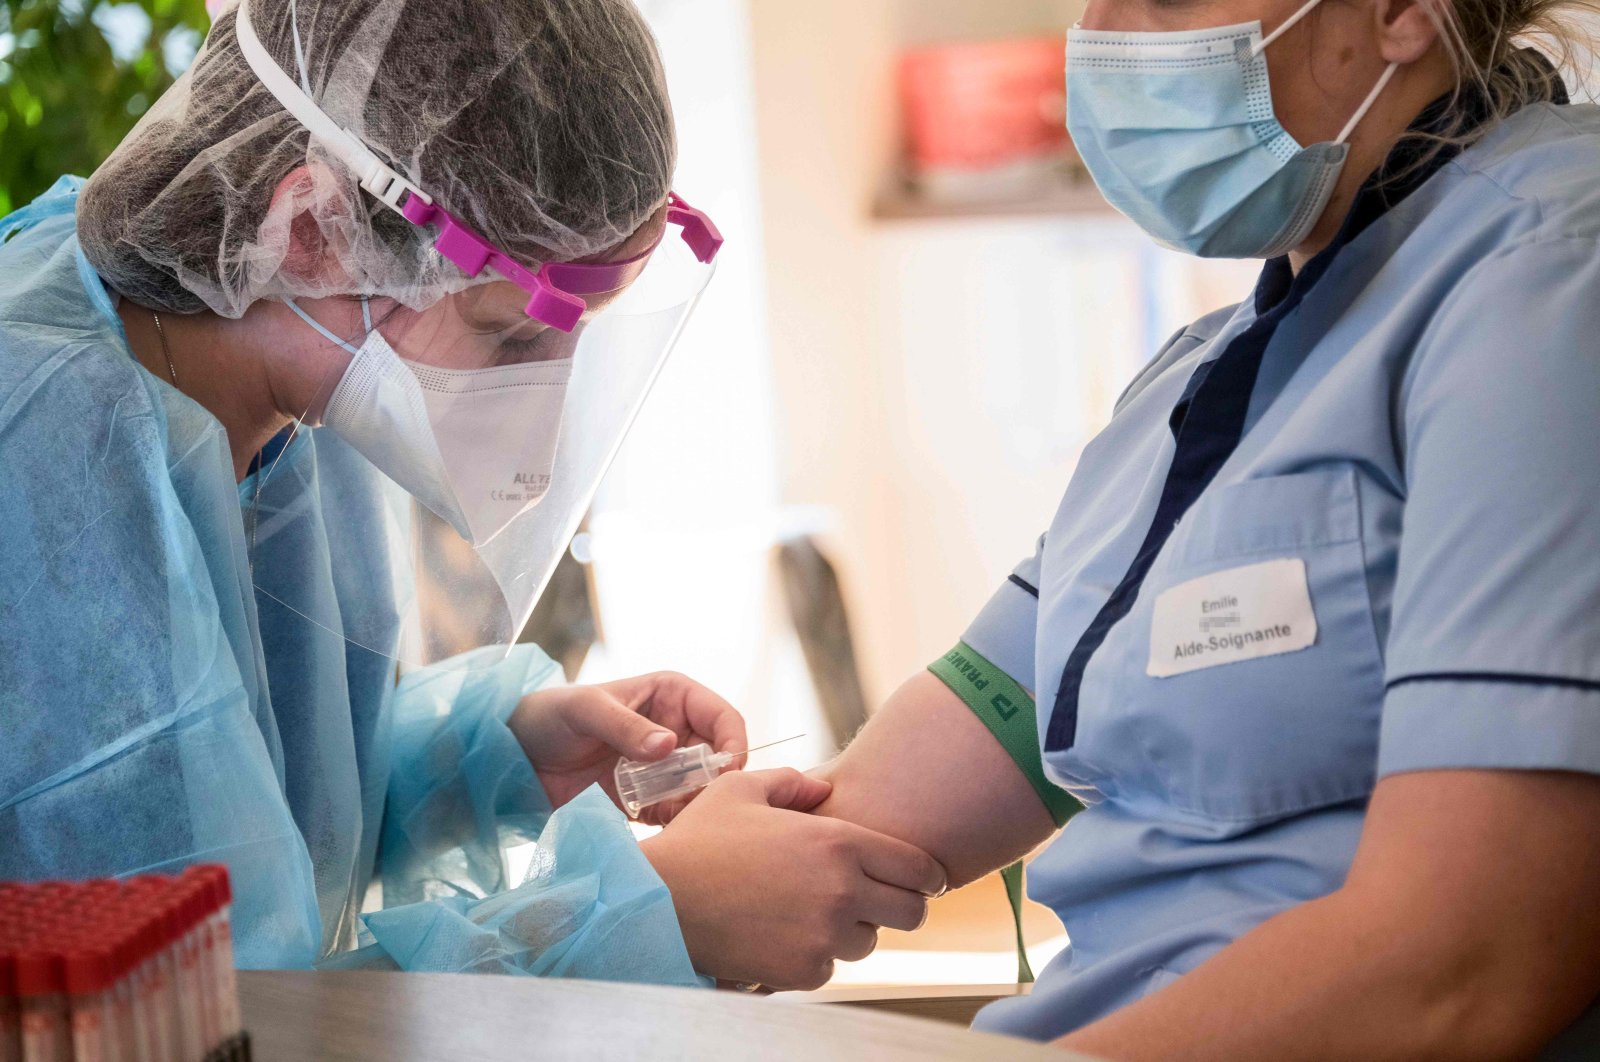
[544,124]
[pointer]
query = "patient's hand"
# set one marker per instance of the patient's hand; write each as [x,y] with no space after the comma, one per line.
[768,894]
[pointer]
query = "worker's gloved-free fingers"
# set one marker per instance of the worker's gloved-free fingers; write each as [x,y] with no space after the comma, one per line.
[783,787]
[891,907]
[596,713]
[664,812]
[897,863]
[765,893]
[695,713]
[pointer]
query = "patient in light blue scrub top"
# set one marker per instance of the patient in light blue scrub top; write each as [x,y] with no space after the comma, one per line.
[1313,639]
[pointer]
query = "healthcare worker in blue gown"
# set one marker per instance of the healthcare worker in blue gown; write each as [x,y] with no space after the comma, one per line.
[1314,636]
[283,468]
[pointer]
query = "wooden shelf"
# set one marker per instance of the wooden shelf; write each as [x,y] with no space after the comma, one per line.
[1077,198]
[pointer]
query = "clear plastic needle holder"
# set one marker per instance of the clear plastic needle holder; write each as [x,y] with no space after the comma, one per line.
[683,771]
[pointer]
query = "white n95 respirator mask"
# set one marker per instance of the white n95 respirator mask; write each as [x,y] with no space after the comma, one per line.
[476,446]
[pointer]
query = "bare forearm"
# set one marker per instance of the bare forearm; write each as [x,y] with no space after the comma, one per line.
[927,771]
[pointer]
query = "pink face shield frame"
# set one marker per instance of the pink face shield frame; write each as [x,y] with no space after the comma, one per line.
[555,288]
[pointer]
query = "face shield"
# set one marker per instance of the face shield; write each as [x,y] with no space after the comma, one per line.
[493,414]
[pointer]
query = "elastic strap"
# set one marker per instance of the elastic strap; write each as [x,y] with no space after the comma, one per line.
[299,52]
[1366,104]
[1008,711]
[318,325]
[1287,25]
[1012,876]
[382,181]
[1011,716]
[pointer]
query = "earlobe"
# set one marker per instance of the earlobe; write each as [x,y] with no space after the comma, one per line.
[1406,29]
[292,223]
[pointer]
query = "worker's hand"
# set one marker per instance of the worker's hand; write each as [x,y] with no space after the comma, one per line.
[574,735]
[766,893]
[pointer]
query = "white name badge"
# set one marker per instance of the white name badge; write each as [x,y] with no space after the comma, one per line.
[1223,618]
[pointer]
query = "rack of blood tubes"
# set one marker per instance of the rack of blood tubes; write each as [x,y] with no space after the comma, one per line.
[134,970]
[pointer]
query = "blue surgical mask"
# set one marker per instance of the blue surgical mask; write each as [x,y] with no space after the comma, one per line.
[1178,132]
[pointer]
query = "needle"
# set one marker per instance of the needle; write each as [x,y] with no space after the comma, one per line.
[768,745]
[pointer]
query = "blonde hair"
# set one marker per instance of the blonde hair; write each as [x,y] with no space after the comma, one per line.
[1509,52]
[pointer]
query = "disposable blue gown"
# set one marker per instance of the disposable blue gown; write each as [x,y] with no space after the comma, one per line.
[155,710]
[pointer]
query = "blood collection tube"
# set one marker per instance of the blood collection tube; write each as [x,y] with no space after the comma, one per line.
[165,994]
[124,1028]
[46,1034]
[99,964]
[202,901]
[227,977]
[189,982]
[89,973]
[152,993]
[10,1018]
[212,1002]
[145,1033]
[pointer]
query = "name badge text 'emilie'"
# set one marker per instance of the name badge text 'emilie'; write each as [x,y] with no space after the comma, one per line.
[1239,614]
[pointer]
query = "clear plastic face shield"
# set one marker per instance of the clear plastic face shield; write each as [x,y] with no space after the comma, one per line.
[492,413]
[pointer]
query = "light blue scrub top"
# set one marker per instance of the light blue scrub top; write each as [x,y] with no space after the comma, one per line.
[159,707]
[1424,434]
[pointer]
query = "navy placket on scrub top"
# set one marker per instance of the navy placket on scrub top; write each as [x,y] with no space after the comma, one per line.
[1227,649]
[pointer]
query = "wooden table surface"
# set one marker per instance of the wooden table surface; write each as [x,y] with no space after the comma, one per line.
[413,1017]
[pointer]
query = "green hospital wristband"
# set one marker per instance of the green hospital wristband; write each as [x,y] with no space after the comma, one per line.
[1009,713]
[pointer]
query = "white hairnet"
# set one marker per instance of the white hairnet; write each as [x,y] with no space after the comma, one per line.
[544,124]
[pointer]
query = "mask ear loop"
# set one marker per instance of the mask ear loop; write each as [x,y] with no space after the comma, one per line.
[1287,25]
[264,474]
[1366,104]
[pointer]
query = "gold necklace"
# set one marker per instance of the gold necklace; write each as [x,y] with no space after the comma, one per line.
[166,351]
[255,505]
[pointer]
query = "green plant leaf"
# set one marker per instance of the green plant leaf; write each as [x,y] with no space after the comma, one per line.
[66,101]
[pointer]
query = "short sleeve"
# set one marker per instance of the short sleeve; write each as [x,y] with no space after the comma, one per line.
[1003,633]
[1493,656]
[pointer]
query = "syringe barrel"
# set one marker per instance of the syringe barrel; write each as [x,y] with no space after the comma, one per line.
[683,771]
